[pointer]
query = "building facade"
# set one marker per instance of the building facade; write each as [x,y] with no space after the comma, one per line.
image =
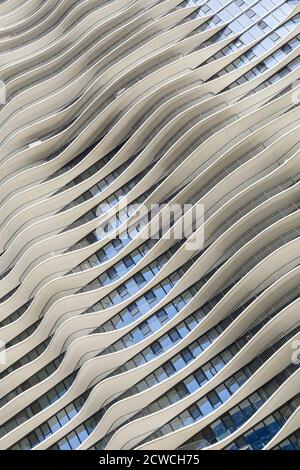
[116,332]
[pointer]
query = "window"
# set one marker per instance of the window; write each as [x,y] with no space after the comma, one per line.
[286,48]
[229,423]
[205,406]
[187,356]
[150,296]
[262,25]
[200,377]
[241,378]
[54,424]
[112,273]
[237,416]
[128,261]
[214,399]
[169,368]
[161,374]
[195,412]
[274,37]
[241,443]
[174,335]
[162,316]
[181,389]
[247,408]
[250,13]
[145,329]
[205,9]
[207,371]
[156,347]
[82,433]
[219,429]
[218,364]
[73,440]
[223,393]
[64,445]
[191,384]
[232,385]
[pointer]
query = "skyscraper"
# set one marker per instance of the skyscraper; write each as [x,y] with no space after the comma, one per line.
[120,122]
